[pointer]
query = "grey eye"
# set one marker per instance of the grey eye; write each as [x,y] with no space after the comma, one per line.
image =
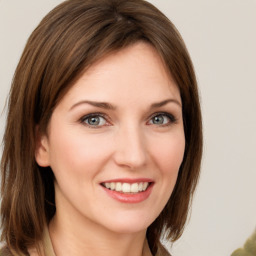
[158,119]
[162,119]
[95,120]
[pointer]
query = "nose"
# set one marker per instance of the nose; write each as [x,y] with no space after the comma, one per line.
[131,150]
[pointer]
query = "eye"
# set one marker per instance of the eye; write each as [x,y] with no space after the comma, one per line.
[162,119]
[94,120]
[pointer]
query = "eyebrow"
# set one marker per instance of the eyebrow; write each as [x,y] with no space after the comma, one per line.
[108,106]
[103,105]
[164,102]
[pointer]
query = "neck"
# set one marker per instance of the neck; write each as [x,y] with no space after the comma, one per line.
[72,234]
[68,240]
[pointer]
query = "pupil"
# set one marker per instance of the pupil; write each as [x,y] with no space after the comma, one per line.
[94,121]
[158,120]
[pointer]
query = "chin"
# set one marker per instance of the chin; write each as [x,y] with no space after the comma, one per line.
[129,223]
[128,229]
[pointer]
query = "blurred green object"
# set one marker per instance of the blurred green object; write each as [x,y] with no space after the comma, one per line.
[249,247]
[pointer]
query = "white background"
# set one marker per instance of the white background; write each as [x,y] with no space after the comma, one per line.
[221,38]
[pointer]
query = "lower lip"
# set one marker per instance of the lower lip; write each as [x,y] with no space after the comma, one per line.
[129,198]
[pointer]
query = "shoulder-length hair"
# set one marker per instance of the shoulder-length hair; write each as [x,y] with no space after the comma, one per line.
[65,44]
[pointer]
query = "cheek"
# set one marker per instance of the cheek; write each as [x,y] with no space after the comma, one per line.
[169,154]
[168,160]
[75,152]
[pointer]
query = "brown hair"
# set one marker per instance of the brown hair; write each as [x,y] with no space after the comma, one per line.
[67,41]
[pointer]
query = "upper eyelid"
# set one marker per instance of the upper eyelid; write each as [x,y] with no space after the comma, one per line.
[84,117]
[162,113]
[94,114]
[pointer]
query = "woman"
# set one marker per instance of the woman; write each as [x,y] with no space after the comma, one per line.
[103,141]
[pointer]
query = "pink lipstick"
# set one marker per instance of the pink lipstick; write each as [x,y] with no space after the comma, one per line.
[128,190]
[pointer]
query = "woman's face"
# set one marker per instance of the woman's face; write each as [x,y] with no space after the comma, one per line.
[115,142]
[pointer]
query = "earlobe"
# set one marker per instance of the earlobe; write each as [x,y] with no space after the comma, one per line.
[42,156]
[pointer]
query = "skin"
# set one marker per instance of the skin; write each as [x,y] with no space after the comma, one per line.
[128,142]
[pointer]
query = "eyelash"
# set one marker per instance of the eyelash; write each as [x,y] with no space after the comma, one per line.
[171,118]
[86,117]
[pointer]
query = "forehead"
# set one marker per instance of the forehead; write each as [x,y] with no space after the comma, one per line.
[137,72]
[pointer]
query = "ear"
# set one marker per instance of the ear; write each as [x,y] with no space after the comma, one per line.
[42,154]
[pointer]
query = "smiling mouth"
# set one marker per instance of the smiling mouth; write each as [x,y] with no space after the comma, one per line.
[130,188]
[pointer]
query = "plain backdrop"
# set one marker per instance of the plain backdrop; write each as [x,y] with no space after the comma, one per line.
[221,38]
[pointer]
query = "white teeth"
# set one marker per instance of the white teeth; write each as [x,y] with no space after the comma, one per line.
[118,186]
[127,187]
[145,185]
[135,188]
[112,186]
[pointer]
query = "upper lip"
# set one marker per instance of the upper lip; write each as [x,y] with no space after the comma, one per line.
[128,180]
